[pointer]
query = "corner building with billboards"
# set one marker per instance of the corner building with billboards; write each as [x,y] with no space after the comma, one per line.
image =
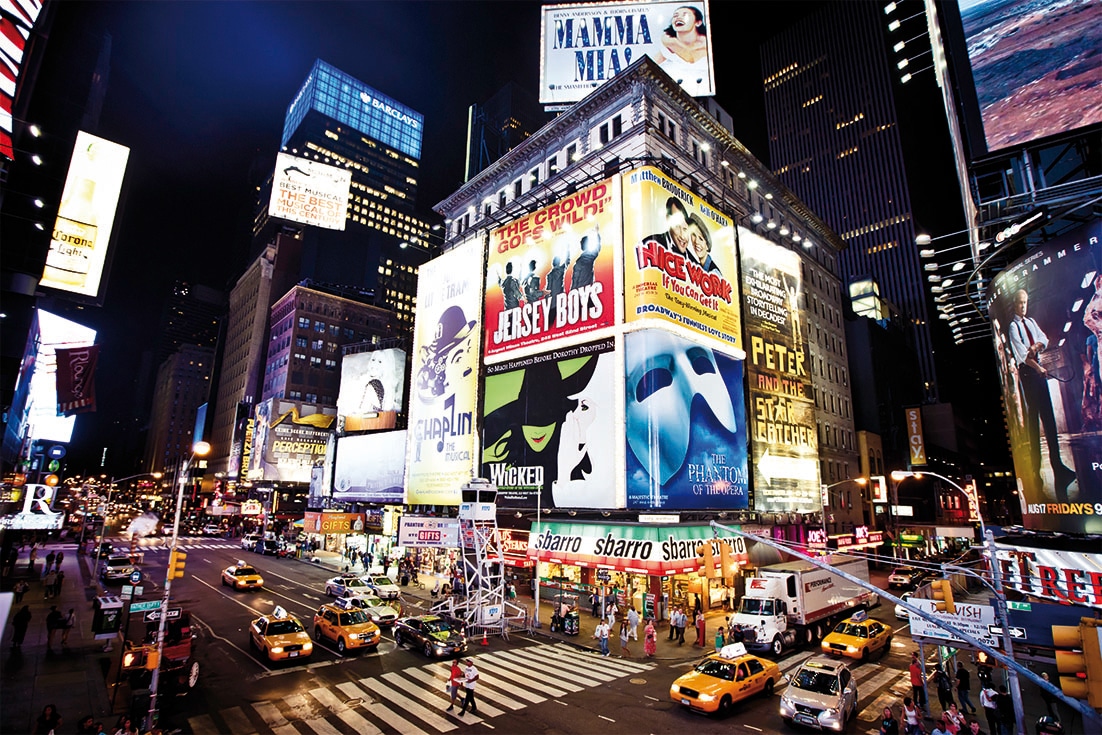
[618,336]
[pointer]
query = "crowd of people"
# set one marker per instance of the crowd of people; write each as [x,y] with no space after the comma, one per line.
[962,718]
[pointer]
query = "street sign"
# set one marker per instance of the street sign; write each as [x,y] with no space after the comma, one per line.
[135,577]
[1023,606]
[56,452]
[143,606]
[154,615]
[603,575]
[971,619]
[1017,634]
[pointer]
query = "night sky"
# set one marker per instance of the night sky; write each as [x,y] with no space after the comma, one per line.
[198,91]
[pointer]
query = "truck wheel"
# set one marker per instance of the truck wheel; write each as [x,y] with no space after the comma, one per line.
[777,646]
[193,675]
[818,631]
[808,636]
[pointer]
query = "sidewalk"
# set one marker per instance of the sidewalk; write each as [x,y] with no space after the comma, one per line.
[75,679]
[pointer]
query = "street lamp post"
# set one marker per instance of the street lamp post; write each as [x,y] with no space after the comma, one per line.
[536,563]
[861,481]
[199,449]
[1000,598]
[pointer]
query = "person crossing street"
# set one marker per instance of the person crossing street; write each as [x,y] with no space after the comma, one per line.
[470,680]
[601,634]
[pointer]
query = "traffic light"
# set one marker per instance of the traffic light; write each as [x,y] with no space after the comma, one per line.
[152,659]
[1080,663]
[134,658]
[942,590]
[176,564]
[706,559]
[727,564]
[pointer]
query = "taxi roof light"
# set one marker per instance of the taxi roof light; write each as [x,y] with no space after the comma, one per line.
[280,613]
[344,603]
[860,616]
[240,562]
[733,650]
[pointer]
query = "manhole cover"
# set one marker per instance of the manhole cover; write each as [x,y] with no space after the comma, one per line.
[638,681]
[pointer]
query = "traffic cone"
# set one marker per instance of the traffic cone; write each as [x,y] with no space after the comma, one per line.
[484,641]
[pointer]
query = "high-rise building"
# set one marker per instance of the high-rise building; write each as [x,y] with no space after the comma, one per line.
[499,125]
[192,316]
[182,386]
[834,140]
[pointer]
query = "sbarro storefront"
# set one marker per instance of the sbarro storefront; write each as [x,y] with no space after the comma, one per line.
[651,567]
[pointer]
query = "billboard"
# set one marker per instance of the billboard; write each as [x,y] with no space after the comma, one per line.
[82,231]
[549,275]
[441,443]
[370,468]
[372,383]
[549,429]
[76,379]
[309,192]
[784,438]
[288,439]
[1046,314]
[584,45]
[1035,67]
[685,424]
[680,263]
[16,24]
[423,532]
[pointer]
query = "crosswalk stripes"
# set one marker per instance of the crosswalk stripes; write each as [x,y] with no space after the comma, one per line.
[414,701]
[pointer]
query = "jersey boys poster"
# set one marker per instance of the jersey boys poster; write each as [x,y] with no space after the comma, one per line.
[685,424]
[441,439]
[549,428]
[550,273]
[782,402]
[679,258]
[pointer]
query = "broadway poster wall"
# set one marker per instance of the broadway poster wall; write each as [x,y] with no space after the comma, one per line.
[679,259]
[373,386]
[549,428]
[783,435]
[685,424]
[289,438]
[441,441]
[370,468]
[549,275]
[1046,313]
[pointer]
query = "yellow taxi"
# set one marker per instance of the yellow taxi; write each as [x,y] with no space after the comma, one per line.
[242,577]
[347,625]
[724,678]
[280,636]
[858,637]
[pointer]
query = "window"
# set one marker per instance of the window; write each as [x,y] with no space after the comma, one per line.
[319,327]
[330,364]
[303,323]
[603,134]
[300,342]
[617,127]
[334,330]
[501,198]
[534,177]
[552,165]
[571,153]
[518,188]
[315,361]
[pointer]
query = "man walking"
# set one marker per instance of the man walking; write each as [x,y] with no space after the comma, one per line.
[470,679]
[601,634]
[682,623]
[964,686]
[48,585]
[57,560]
[49,563]
[53,624]
[633,623]
[918,685]
[989,700]
[455,680]
[673,624]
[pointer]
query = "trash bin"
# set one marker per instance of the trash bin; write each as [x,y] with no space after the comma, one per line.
[572,623]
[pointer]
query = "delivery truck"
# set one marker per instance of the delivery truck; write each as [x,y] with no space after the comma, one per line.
[795,603]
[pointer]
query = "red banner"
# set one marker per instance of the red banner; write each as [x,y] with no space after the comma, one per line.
[76,385]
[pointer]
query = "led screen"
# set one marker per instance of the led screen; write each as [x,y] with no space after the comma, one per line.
[549,429]
[585,45]
[550,274]
[1046,314]
[370,468]
[685,424]
[783,433]
[82,232]
[16,22]
[288,439]
[310,192]
[444,378]
[372,383]
[1035,66]
[680,264]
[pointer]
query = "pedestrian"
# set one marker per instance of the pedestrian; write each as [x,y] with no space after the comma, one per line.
[983,673]
[954,720]
[32,558]
[49,563]
[682,623]
[912,717]
[125,726]
[633,623]
[470,679]
[944,688]
[57,560]
[701,635]
[625,630]
[19,590]
[918,684]
[1005,705]
[939,727]
[86,726]
[48,585]
[595,605]
[67,626]
[48,722]
[455,680]
[721,638]
[650,639]
[19,625]
[673,624]
[57,583]
[1049,699]
[964,686]
[53,624]
[601,634]
[610,611]
[974,728]
[989,700]
[888,724]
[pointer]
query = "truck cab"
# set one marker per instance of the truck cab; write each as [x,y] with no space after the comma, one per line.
[763,616]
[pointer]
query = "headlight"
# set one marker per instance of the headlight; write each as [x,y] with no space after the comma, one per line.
[706,697]
[787,708]
[277,649]
[851,649]
[308,646]
[675,689]
[353,636]
[832,712]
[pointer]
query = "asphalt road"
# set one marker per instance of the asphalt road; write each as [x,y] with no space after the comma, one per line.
[528,685]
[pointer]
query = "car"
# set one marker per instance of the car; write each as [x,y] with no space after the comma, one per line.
[345,585]
[280,636]
[381,613]
[436,636]
[383,587]
[905,578]
[105,548]
[242,577]
[248,541]
[723,679]
[212,530]
[822,694]
[346,625]
[117,568]
[858,637]
[900,611]
[267,547]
